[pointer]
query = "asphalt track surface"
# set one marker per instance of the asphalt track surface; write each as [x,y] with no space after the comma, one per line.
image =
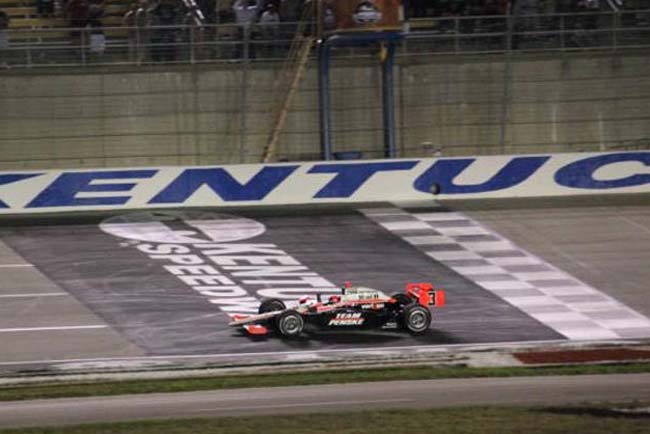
[522,391]
[73,291]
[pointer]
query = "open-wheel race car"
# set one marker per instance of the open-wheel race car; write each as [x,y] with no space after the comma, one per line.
[355,308]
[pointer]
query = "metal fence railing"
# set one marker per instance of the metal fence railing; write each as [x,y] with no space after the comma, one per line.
[199,43]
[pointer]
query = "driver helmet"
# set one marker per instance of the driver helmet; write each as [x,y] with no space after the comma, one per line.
[304,299]
[335,298]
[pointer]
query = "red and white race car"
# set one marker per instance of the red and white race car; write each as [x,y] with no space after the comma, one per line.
[355,308]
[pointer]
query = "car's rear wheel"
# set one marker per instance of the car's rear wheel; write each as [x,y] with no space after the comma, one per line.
[290,324]
[416,319]
[402,299]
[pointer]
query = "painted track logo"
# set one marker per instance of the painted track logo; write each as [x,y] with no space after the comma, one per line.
[182,227]
[209,252]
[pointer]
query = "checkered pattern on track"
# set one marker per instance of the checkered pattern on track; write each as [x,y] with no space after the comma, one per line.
[544,292]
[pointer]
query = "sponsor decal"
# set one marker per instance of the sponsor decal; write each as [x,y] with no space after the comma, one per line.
[390,326]
[366,181]
[346,319]
[212,253]
[373,306]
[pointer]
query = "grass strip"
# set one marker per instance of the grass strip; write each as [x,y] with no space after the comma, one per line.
[108,388]
[484,420]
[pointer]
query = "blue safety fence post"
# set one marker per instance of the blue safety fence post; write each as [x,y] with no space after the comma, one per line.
[388,92]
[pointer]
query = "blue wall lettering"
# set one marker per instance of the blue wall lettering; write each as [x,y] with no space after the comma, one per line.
[443,173]
[350,177]
[14,177]
[580,174]
[223,184]
[63,191]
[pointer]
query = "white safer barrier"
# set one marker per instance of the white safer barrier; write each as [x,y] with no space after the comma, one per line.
[26,192]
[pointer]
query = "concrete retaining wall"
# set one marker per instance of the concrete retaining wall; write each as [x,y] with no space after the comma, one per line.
[459,106]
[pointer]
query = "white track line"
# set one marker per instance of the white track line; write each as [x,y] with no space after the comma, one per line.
[15,265]
[47,329]
[43,294]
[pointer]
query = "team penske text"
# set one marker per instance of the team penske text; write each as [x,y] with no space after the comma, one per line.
[347,319]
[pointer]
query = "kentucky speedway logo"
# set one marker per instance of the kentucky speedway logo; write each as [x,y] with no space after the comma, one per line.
[184,227]
[208,252]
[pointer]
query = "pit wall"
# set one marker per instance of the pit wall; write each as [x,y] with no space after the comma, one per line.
[542,175]
[214,114]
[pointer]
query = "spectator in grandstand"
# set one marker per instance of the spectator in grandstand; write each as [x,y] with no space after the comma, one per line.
[193,31]
[246,14]
[329,18]
[97,38]
[165,15]
[142,31]
[45,8]
[208,31]
[4,38]
[269,21]
[247,11]
[76,11]
[270,28]
[96,12]
[128,20]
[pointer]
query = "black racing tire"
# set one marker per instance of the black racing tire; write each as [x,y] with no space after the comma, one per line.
[416,319]
[290,324]
[271,305]
[402,299]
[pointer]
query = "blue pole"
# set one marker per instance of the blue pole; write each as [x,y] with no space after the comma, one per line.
[388,103]
[324,100]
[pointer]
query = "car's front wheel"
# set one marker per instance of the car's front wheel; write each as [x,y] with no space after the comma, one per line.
[271,305]
[290,324]
[416,319]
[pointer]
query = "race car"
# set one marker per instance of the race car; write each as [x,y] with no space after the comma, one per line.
[357,308]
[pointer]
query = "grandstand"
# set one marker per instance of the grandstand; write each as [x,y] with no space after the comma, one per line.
[24,17]
[465,85]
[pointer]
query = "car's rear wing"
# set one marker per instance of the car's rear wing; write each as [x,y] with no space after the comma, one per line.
[425,294]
